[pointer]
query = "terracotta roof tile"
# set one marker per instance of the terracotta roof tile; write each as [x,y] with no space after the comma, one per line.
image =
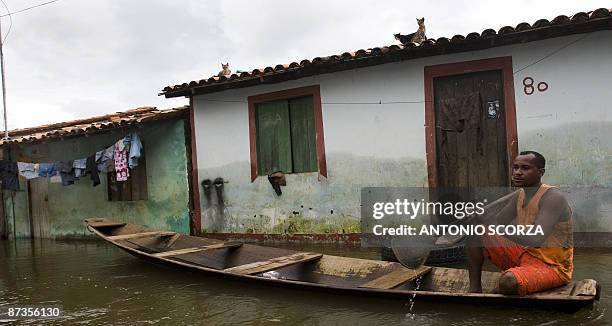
[91,125]
[600,19]
[541,23]
[524,26]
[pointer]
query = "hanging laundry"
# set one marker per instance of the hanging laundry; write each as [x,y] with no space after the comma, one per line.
[127,140]
[55,179]
[135,149]
[110,166]
[66,172]
[99,155]
[47,170]
[28,170]
[121,165]
[103,158]
[8,175]
[92,170]
[98,160]
[79,167]
[109,153]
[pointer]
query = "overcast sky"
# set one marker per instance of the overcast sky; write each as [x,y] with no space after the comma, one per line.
[79,58]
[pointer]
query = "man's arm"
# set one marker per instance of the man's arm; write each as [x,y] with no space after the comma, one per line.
[508,213]
[504,215]
[553,206]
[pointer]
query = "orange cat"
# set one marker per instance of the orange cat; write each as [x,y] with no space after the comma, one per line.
[417,37]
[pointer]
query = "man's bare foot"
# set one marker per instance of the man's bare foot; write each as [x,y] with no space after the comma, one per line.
[508,283]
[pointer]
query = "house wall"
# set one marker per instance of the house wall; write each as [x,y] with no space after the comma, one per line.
[166,168]
[384,145]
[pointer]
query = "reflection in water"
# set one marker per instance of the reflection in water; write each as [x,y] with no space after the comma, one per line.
[96,283]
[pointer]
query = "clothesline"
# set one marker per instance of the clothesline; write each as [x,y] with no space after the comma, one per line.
[120,157]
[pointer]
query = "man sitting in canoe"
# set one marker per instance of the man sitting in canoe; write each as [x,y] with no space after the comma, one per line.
[529,263]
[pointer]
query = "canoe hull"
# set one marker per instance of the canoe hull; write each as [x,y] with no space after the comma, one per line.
[564,303]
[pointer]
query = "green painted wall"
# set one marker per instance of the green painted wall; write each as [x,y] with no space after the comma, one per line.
[167,206]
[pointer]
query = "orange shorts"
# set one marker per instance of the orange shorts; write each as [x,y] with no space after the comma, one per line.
[532,274]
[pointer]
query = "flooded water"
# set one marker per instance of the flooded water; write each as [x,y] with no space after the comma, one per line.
[97,284]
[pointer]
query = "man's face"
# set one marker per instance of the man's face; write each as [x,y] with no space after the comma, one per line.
[525,172]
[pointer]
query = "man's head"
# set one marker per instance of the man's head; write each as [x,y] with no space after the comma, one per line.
[528,169]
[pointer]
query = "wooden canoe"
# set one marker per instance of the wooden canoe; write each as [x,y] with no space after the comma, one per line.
[342,275]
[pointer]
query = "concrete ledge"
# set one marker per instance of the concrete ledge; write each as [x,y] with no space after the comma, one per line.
[581,239]
[325,238]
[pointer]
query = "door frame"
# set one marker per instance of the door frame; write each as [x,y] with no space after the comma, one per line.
[500,63]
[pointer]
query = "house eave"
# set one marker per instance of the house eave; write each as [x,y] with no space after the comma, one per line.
[429,48]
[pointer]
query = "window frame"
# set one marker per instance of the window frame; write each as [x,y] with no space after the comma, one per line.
[315,92]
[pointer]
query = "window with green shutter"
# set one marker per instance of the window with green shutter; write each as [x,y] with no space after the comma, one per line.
[286,138]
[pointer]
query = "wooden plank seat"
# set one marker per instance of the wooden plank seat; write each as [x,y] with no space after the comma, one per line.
[274,263]
[141,235]
[197,249]
[102,223]
[172,240]
[396,278]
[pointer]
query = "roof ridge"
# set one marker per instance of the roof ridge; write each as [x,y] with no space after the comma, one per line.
[57,125]
[561,25]
[92,125]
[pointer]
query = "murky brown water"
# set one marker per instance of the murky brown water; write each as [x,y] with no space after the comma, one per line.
[96,284]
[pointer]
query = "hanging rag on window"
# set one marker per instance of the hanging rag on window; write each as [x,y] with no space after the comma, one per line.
[8,175]
[460,113]
[122,171]
[28,170]
[277,179]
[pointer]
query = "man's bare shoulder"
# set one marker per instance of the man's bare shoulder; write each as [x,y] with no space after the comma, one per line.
[554,199]
[554,195]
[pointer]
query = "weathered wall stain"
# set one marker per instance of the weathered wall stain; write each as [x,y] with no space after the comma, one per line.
[579,160]
[576,153]
[308,205]
[213,203]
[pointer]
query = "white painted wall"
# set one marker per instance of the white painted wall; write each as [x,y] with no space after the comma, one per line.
[384,145]
[357,129]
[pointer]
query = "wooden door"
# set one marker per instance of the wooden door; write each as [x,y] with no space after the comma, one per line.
[470,130]
[38,195]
